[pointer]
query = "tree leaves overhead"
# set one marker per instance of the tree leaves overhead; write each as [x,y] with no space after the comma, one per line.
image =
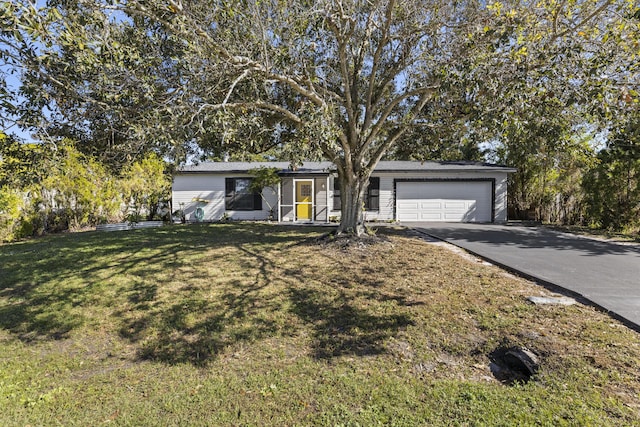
[345,80]
[181,62]
[613,186]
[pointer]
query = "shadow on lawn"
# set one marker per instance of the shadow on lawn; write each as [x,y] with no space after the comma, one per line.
[344,305]
[54,286]
[196,328]
[210,314]
[51,285]
[260,305]
[340,328]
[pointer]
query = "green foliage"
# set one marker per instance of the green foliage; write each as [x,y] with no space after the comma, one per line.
[10,210]
[77,192]
[61,188]
[350,81]
[146,184]
[613,185]
[551,157]
[21,164]
[265,177]
[58,188]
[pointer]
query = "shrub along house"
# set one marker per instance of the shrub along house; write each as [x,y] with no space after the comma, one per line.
[398,190]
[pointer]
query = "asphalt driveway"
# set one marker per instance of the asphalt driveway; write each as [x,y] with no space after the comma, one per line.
[607,274]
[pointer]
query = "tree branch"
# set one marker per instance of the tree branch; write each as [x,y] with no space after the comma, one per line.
[374,69]
[242,76]
[425,91]
[581,23]
[250,106]
[346,80]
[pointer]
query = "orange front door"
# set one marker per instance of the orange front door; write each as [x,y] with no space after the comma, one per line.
[304,200]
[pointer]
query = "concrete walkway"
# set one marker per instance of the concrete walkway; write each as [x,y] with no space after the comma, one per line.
[604,273]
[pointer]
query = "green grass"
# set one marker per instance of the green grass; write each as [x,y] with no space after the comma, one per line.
[630,235]
[256,324]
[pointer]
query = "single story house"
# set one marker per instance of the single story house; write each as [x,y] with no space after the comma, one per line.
[404,191]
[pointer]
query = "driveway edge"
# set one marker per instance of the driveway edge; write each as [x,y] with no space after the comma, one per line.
[553,287]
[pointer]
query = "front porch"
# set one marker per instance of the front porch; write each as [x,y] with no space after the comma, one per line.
[303,198]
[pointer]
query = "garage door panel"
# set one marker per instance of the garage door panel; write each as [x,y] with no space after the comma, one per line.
[409,206]
[455,216]
[458,205]
[435,204]
[430,216]
[444,201]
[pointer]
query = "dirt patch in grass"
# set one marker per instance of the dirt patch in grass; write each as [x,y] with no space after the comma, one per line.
[271,326]
[348,242]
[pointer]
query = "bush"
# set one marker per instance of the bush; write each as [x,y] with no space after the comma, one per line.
[11,204]
[146,185]
[64,189]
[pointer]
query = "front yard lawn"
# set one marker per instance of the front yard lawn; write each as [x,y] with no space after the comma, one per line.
[258,324]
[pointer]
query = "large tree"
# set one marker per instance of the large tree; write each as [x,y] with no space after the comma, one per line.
[345,80]
[613,185]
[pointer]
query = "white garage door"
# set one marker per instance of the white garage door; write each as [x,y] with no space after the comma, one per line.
[450,201]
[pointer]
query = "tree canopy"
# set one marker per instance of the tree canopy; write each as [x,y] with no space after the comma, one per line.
[351,81]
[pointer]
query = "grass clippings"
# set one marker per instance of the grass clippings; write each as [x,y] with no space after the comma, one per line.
[257,324]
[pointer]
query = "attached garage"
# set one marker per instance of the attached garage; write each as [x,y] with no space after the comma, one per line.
[445,201]
[404,191]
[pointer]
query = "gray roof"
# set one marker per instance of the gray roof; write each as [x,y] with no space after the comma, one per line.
[410,166]
[243,167]
[325,167]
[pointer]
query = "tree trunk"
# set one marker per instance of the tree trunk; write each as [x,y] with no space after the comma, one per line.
[351,203]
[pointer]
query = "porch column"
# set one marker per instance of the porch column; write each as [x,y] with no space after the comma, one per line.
[279,201]
[326,193]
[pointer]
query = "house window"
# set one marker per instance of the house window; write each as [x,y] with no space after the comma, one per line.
[238,197]
[336,194]
[371,196]
[305,190]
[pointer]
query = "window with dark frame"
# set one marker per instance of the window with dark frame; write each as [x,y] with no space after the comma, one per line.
[336,194]
[238,197]
[371,196]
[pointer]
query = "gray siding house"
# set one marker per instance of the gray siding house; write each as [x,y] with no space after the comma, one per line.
[398,190]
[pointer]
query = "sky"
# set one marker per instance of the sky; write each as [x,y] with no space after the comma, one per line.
[13,82]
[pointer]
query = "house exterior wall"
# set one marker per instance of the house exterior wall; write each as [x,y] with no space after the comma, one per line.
[210,190]
[386,198]
[320,199]
[387,189]
[320,207]
[286,199]
[500,203]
